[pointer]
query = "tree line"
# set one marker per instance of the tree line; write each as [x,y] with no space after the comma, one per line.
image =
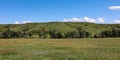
[45,33]
[114,32]
[79,33]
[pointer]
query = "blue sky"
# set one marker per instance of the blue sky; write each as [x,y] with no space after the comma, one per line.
[23,11]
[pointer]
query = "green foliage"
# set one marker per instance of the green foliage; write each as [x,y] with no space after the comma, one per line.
[59,29]
[109,33]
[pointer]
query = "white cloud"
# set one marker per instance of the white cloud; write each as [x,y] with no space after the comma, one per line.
[16,22]
[22,22]
[26,21]
[85,19]
[72,20]
[114,7]
[101,20]
[65,20]
[76,19]
[117,21]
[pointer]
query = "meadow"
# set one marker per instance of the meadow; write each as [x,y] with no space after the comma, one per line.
[60,49]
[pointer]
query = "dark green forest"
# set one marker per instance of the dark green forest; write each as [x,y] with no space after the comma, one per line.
[59,30]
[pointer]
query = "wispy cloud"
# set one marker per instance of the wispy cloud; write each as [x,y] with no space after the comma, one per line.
[87,19]
[114,7]
[84,19]
[16,22]
[117,21]
[22,22]
[101,20]
[26,21]
[72,20]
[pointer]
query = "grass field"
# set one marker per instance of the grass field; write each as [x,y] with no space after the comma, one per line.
[60,49]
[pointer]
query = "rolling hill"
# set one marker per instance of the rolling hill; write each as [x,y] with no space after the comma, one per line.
[60,26]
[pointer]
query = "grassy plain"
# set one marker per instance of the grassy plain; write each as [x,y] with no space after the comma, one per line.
[60,49]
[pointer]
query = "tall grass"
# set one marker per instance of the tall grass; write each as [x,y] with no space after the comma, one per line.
[60,49]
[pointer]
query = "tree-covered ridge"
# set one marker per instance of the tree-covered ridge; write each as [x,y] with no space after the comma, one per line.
[59,30]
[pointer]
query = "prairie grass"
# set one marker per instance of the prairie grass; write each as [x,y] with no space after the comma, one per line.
[60,49]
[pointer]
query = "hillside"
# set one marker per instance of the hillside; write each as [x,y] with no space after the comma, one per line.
[60,26]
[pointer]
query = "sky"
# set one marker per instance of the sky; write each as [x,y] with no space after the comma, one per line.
[27,11]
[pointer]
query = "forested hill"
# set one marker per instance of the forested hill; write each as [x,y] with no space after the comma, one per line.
[62,27]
